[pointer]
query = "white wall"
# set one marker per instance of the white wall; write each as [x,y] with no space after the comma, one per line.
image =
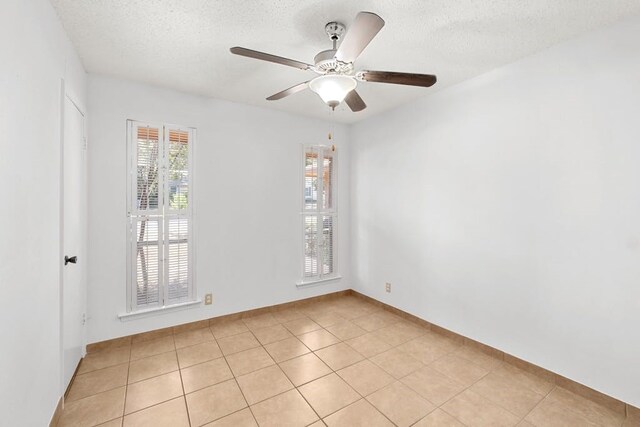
[248,190]
[507,209]
[36,55]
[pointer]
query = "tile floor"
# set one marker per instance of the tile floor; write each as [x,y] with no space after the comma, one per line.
[337,363]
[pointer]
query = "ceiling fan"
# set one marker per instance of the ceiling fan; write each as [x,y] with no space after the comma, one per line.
[337,80]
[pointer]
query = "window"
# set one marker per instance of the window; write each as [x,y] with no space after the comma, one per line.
[319,214]
[160,255]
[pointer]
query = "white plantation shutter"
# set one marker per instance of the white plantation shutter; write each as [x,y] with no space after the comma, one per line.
[159,212]
[147,257]
[177,260]
[319,213]
[310,245]
[326,245]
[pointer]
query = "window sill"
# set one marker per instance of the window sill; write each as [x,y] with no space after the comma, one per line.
[157,310]
[307,283]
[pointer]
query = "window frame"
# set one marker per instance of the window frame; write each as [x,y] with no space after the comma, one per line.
[319,212]
[133,215]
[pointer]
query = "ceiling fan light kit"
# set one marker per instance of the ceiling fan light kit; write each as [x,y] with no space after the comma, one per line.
[333,88]
[337,81]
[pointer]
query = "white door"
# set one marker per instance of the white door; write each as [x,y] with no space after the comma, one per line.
[73,240]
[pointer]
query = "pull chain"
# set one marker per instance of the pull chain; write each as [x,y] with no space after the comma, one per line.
[332,129]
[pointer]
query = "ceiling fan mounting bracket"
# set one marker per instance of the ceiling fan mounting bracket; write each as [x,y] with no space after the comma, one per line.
[335,30]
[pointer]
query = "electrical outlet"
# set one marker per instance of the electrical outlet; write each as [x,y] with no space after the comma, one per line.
[208,299]
[387,287]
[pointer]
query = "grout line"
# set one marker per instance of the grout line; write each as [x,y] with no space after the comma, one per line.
[184,393]
[126,390]
[241,392]
[539,403]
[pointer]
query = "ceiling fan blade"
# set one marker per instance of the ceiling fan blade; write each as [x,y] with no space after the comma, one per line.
[410,79]
[287,92]
[364,29]
[268,57]
[354,101]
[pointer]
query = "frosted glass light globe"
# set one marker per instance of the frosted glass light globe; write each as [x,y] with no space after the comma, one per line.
[333,88]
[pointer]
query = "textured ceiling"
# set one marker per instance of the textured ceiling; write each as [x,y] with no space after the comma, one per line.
[184,44]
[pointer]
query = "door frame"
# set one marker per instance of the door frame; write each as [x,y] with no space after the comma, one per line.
[64,96]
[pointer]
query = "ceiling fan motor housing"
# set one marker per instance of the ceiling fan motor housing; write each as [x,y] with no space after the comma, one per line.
[325,62]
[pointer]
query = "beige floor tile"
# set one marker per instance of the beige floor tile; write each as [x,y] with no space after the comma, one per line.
[272,334]
[152,347]
[152,335]
[316,340]
[592,411]
[263,384]
[318,423]
[499,393]
[303,369]
[249,361]
[113,423]
[328,394]
[346,330]
[473,410]
[228,328]
[314,308]
[301,326]
[365,377]
[287,315]
[98,381]
[94,409]
[359,414]
[509,394]
[152,366]
[368,345]
[150,392]
[351,313]
[197,336]
[205,374]
[438,418]
[423,349]
[286,409]
[438,340]
[550,413]
[373,322]
[104,359]
[214,402]
[459,369]
[390,317]
[339,356]
[169,414]
[531,381]
[237,343]
[479,358]
[198,353]
[432,385]
[286,349]
[400,404]
[397,363]
[327,318]
[243,418]
[260,321]
[633,417]
[399,333]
